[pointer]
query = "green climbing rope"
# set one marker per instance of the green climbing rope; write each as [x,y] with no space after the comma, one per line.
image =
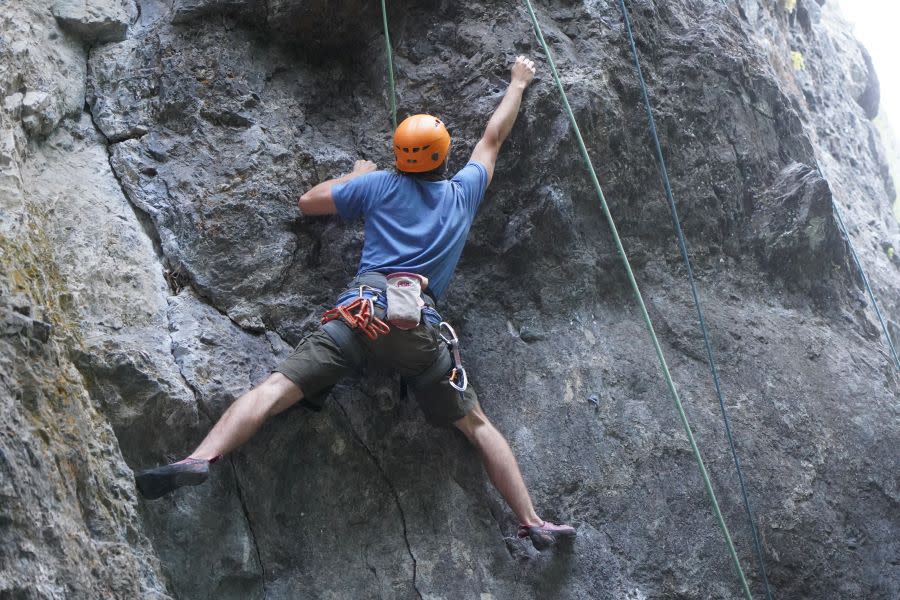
[640,301]
[390,65]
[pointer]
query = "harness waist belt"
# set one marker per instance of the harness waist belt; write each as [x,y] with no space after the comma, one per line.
[379,280]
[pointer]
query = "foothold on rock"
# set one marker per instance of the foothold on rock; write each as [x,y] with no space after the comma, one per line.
[185,11]
[530,334]
[246,317]
[35,102]
[17,322]
[13,323]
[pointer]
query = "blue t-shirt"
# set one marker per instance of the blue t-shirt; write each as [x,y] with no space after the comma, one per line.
[412,224]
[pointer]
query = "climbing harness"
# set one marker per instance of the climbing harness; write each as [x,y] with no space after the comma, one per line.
[362,308]
[459,372]
[640,301]
[676,222]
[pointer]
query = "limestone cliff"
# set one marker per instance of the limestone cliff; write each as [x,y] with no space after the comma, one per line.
[153,266]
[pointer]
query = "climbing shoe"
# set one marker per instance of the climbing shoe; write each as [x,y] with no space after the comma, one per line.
[155,483]
[546,534]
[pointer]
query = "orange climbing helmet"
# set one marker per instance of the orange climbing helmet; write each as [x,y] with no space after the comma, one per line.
[421,144]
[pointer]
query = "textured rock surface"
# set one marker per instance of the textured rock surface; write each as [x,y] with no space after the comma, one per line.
[69,522]
[154,267]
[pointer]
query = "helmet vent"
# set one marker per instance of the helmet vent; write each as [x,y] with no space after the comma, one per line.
[435,156]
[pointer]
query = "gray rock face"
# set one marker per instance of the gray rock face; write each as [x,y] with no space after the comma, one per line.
[69,522]
[154,267]
[316,25]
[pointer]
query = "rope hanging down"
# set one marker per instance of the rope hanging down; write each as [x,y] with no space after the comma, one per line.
[862,274]
[676,222]
[390,66]
[640,301]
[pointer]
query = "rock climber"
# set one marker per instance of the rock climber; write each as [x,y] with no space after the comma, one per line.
[416,224]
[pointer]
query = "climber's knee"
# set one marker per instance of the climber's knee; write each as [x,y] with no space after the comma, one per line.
[276,394]
[472,423]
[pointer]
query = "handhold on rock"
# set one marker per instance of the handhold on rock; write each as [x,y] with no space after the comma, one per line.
[797,236]
[40,331]
[93,21]
[39,114]
[13,103]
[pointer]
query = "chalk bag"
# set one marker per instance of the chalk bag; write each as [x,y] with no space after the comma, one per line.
[404,300]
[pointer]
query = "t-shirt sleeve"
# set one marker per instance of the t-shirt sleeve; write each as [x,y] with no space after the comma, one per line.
[355,198]
[472,180]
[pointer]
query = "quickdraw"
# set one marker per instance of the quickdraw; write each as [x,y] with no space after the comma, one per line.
[359,314]
[458,374]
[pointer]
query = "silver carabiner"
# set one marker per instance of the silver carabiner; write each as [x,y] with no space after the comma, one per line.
[368,299]
[368,288]
[452,342]
[461,375]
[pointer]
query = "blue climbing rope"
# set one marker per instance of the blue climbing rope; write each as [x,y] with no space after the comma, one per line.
[640,302]
[865,279]
[676,223]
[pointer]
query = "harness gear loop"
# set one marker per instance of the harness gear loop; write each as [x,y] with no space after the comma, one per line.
[459,371]
[363,319]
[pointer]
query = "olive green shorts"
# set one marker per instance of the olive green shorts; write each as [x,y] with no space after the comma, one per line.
[317,364]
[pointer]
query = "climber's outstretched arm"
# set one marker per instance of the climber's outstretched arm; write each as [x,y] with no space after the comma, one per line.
[501,122]
[318,200]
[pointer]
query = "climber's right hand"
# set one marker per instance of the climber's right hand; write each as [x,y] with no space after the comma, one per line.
[522,71]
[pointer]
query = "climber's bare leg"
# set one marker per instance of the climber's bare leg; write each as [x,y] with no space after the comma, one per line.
[245,416]
[501,465]
[504,473]
[237,425]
